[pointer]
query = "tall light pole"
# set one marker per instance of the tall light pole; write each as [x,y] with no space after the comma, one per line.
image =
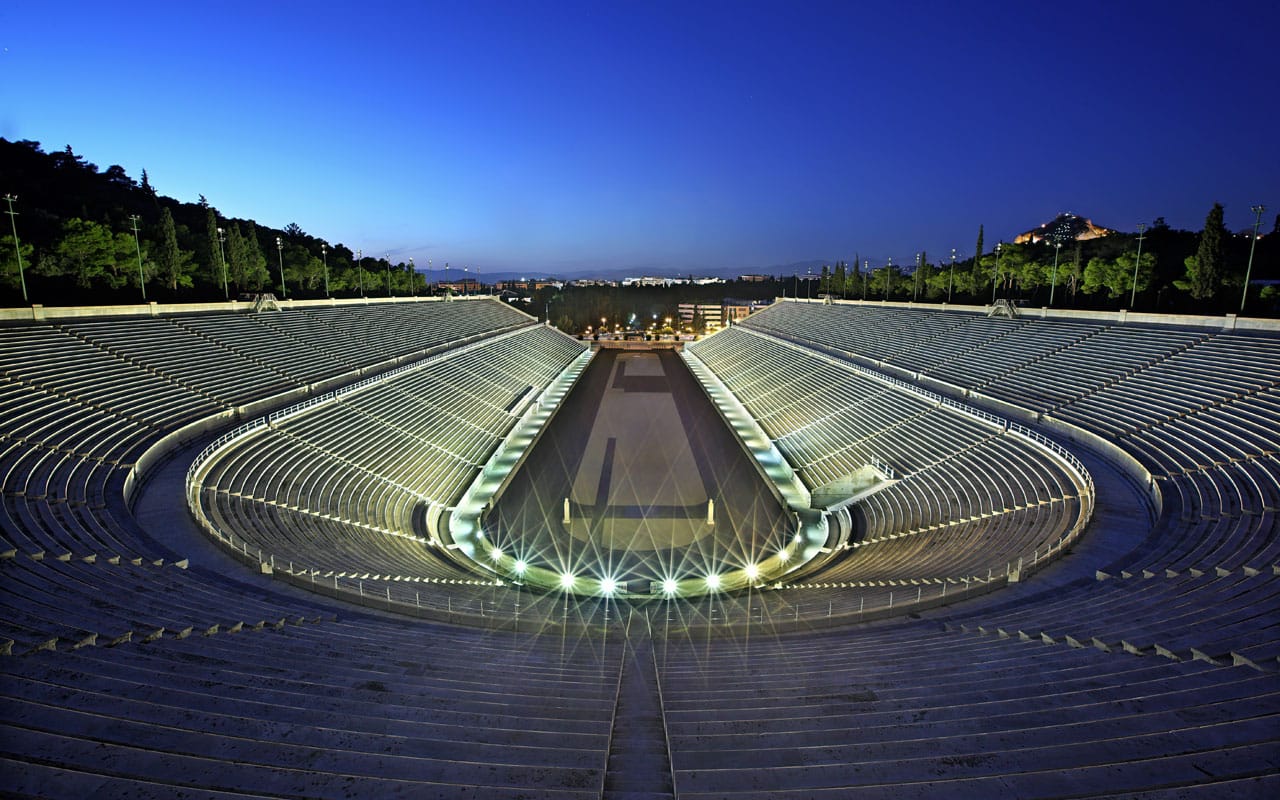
[360,270]
[430,276]
[389,275]
[142,281]
[413,278]
[888,278]
[1053,281]
[1133,294]
[952,280]
[915,284]
[1257,222]
[866,272]
[222,256]
[995,273]
[17,250]
[324,256]
[284,290]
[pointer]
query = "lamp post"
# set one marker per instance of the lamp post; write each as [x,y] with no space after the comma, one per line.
[995,273]
[1053,280]
[915,284]
[17,250]
[951,280]
[866,272]
[413,278]
[430,275]
[360,270]
[389,275]
[324,256]
[222,256]
[888,279]
[1257,222]
[142,281]
[1133,294]
[284,290]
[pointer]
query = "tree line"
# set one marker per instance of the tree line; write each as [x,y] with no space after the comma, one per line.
[86,235]
[1156,269]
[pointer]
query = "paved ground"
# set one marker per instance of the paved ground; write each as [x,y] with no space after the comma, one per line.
[639,451]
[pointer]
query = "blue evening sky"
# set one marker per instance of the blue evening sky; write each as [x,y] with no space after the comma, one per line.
[532,136]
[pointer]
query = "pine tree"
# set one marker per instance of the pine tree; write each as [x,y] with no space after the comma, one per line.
[977,250]
[1205,268]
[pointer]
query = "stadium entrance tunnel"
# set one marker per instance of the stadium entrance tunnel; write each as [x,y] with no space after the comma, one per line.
[636,488]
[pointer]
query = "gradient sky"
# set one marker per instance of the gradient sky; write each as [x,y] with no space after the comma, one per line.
[545,136]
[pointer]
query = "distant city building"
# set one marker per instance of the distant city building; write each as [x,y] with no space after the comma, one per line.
[755,278]
[648,280]
[735,309]
[513,296]
[655,280]
[462,286]
[593,282]
[1064,228]
[528,285]
[712,314]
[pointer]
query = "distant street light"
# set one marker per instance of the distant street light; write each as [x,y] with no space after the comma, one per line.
[389,275]
[915,288]
[222,256]
[1257,222]
[888,279]
[413,277]
[1134,292]
[995,273]
[866,273]
[17,250]
[324,255]
[360,270]
[1053,281]
[142,281]
[951,281]
[284,290]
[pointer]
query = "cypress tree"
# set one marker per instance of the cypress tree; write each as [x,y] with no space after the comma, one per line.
[1205,268]
[212,250]
[255,266]
[172,262]
[236,256]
